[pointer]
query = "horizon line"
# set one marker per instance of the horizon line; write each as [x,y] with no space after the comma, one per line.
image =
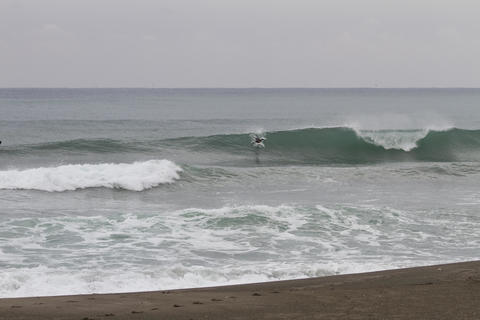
[237,88]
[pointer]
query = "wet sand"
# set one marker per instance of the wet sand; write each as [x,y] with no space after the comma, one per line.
[436,292]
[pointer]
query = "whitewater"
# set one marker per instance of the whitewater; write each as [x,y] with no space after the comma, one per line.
[136,176]
[118,190]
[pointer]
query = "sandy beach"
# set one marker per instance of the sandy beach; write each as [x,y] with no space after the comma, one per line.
[449,291]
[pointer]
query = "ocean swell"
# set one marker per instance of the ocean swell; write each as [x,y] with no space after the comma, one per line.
[135,176]
[332,145]
[74,146]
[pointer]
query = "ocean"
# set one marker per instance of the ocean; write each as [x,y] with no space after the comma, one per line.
[119,190]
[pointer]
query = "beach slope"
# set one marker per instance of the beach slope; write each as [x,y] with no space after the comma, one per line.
[450,291]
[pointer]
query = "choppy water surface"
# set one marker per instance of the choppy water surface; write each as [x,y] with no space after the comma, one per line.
[108,190]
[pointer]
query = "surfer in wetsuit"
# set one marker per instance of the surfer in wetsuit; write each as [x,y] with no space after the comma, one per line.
[259,140]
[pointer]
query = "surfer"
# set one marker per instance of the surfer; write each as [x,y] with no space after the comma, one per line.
[259,140]
[257,143]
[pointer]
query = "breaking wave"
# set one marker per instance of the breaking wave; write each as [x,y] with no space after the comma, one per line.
[333,145]
[135,176]
[347,145]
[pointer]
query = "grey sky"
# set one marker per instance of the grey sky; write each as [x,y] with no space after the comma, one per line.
[239,43]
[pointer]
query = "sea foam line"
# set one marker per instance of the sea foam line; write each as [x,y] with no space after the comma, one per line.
[135,176]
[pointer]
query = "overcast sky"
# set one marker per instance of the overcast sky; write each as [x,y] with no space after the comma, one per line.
[239,43]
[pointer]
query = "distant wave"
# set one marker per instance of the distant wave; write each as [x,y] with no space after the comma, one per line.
[135,176]
[76,145]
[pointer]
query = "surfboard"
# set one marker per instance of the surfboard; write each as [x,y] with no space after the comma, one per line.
[258,144]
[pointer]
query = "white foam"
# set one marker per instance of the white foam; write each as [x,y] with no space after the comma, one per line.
[394,131]
[44,281]
[135,176]
[400,140]
[195,247]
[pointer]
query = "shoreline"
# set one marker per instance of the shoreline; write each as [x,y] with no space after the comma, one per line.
[447,291]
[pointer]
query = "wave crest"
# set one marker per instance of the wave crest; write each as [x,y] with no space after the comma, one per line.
[346,145]
[330,145]
[405,140]
[135,176]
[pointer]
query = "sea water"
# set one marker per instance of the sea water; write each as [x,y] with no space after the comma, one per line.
[114,190]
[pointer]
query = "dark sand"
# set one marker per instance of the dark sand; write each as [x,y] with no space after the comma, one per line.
[438,292]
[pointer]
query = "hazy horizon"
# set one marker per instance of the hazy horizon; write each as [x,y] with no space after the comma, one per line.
[247,88]
[239,44]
